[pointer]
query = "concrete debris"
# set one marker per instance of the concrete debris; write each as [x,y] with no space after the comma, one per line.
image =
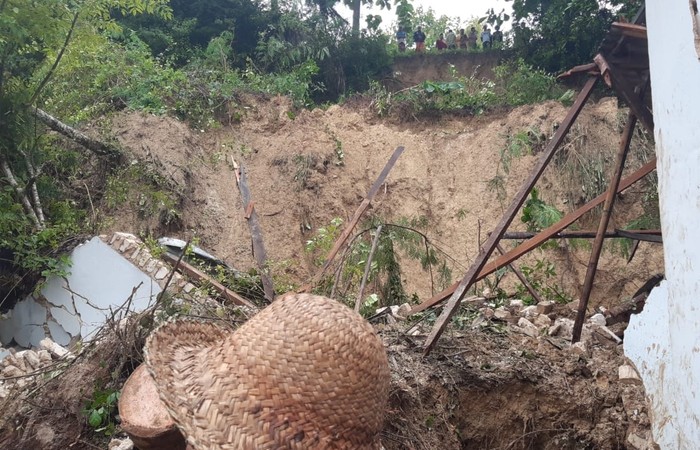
[607,333]
[597,319]
[108,272]
[542,321]
[637,442]
[529,311]
[501,313]
[517,303]
[628,375]
[528,327]
[580,348]
[18,368]
[121,444]
[545,307]
[53,348]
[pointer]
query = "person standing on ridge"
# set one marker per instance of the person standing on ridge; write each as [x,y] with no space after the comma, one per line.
[440,44]
[497,37]
[486,38]
[419,39]
[451,40]
[463,39]
[401,39]
[472,39]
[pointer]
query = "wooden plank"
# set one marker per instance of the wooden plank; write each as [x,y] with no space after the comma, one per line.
[347,231]
[630,30]
[603,225]
[508,216]
[540,238]
[199,276]
[251,216]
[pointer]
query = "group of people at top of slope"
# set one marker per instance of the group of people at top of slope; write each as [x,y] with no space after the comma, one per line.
[451,41]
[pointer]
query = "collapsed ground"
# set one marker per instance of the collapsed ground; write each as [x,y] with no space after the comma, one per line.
[488,387]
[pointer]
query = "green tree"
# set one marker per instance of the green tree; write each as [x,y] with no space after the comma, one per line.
[35,35]
[558,34]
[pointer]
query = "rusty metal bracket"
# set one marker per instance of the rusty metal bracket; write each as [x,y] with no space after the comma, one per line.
[510,213]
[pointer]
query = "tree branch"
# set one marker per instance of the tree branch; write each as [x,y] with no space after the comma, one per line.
[55,63]
[21,194]
[31,186]
[97,147]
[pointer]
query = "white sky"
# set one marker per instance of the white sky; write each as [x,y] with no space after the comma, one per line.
[464,9]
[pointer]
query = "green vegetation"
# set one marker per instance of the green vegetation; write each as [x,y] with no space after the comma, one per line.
[397,242]
[542,278]
[516,84]
[101,411]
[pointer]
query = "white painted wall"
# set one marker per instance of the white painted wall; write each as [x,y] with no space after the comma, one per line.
[664,340]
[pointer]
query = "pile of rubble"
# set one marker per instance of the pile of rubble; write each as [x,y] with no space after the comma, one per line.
[18,368]
[536,321]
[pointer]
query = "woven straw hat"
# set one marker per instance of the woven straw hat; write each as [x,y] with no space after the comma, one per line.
[304,373]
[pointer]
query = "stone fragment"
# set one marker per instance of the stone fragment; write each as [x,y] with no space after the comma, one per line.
[528,327]
[637,442]
[545,307]
[161,273]
[12,371]
[488,313]
[44,357]
[563,327]
[501,313]
[579,348]
[597,319]
[628,375]
[517,303]
[403,311]
[542,321]
[529,311]
[53,348]
[32,359]
[121,444]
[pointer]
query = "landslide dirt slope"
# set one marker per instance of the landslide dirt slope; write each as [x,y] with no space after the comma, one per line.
[299,184]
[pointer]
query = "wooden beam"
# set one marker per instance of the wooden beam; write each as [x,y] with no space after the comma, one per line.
[630,30]
[603,225]
[508,216]
[347,231]
[540,238]
[199,276]
[251,216]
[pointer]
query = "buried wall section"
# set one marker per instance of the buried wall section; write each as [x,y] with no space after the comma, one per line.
[664,340]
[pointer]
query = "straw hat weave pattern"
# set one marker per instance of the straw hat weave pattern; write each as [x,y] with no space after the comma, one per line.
[304,373]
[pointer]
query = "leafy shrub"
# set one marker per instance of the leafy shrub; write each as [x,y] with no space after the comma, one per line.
[519,84]
[466,95]
[537,214]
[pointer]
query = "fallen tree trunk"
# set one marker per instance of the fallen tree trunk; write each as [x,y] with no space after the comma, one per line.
[96,146]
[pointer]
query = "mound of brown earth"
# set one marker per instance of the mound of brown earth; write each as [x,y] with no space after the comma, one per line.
[306,169]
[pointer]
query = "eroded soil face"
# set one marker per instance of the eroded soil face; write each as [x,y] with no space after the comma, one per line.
[306,169]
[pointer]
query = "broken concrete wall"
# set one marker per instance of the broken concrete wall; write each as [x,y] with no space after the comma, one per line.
[664,340]
[104,274]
